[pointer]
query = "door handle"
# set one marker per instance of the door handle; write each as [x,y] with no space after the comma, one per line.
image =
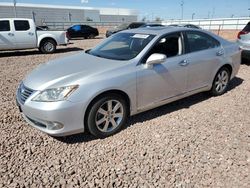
[31,34]
[11,34]
[184,63]
[220,53]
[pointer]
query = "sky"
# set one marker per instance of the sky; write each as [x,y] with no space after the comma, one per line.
[165,9]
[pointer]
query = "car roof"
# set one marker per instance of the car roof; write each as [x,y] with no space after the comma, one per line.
[156,30]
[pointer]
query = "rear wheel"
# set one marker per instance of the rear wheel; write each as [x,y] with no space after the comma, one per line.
[48,46]
[91,36]
[221,82]
[107,116]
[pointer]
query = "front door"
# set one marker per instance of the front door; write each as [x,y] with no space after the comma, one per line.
[164,81]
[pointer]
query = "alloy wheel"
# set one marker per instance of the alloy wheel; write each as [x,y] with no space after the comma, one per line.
[109,116]
[49,47]
[221,81]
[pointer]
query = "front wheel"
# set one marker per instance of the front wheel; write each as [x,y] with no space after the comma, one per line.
[48,46]
[221,82]
[107,116]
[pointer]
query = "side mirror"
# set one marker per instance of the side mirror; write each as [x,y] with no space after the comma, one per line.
[156,59]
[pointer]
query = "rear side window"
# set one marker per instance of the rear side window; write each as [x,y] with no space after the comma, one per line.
[21,25]
[198,41]
[247,27]
[4,25]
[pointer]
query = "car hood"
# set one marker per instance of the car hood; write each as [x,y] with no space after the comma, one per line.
[66,71]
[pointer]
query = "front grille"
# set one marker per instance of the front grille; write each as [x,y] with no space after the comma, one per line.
[24,93]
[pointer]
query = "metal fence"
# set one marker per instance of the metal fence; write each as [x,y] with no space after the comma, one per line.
[214,24]
[208,24]
[65,25]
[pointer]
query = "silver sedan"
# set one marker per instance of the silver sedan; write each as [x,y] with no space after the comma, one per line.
[128,73]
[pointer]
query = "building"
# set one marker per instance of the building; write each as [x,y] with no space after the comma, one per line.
[43,14]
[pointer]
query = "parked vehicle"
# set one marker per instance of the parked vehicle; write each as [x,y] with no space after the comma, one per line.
[243,40]
[131,72]
[84,31]
[19,33]
[186,25]
[124,26]
[152,25]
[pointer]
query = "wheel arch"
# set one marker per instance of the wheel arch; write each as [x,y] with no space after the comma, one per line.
[46,38]
[121,93]
[228,66]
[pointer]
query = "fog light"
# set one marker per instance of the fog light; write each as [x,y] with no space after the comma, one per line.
[54,125]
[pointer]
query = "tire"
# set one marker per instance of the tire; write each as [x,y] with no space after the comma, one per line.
[91,36]
[48,46]
[221,82]
[107,115]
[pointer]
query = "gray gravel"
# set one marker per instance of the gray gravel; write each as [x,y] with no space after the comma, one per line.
[196,142]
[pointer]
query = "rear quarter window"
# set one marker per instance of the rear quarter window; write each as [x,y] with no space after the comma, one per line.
[4,25]
[21,25]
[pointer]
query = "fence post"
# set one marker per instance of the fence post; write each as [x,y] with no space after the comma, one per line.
[237,26]
[219,30]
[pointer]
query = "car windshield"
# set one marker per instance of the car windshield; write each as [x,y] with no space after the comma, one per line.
[122,46]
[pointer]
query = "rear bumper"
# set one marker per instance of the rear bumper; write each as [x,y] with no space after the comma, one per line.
[244,45]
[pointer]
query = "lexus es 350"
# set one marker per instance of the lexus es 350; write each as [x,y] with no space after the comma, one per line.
[128,73]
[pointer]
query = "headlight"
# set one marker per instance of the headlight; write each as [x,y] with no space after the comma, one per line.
[56,94]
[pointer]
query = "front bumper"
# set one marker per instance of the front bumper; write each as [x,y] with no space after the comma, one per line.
[41,114]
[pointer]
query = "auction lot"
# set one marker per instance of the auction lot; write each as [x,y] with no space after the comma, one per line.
[199,141]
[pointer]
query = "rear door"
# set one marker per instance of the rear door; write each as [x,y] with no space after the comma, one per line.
[204,56]
[25,34]
[7,37]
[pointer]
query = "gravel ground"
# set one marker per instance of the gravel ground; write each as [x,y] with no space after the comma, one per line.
[196,142]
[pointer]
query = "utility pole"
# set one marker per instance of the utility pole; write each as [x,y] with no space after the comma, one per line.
[249,12]
[14,3]
[182,9]
[193,16]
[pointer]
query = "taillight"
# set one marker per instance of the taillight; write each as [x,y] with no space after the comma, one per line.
[242,33]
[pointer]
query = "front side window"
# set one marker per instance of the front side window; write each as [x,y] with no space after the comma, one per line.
[4,25]
[21,25]
[198,41]
[170,45]
[122,46]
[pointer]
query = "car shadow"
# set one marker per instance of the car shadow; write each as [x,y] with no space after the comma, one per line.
[154,113]
[245,61]
[36,52]
[82,38]
[245,57]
